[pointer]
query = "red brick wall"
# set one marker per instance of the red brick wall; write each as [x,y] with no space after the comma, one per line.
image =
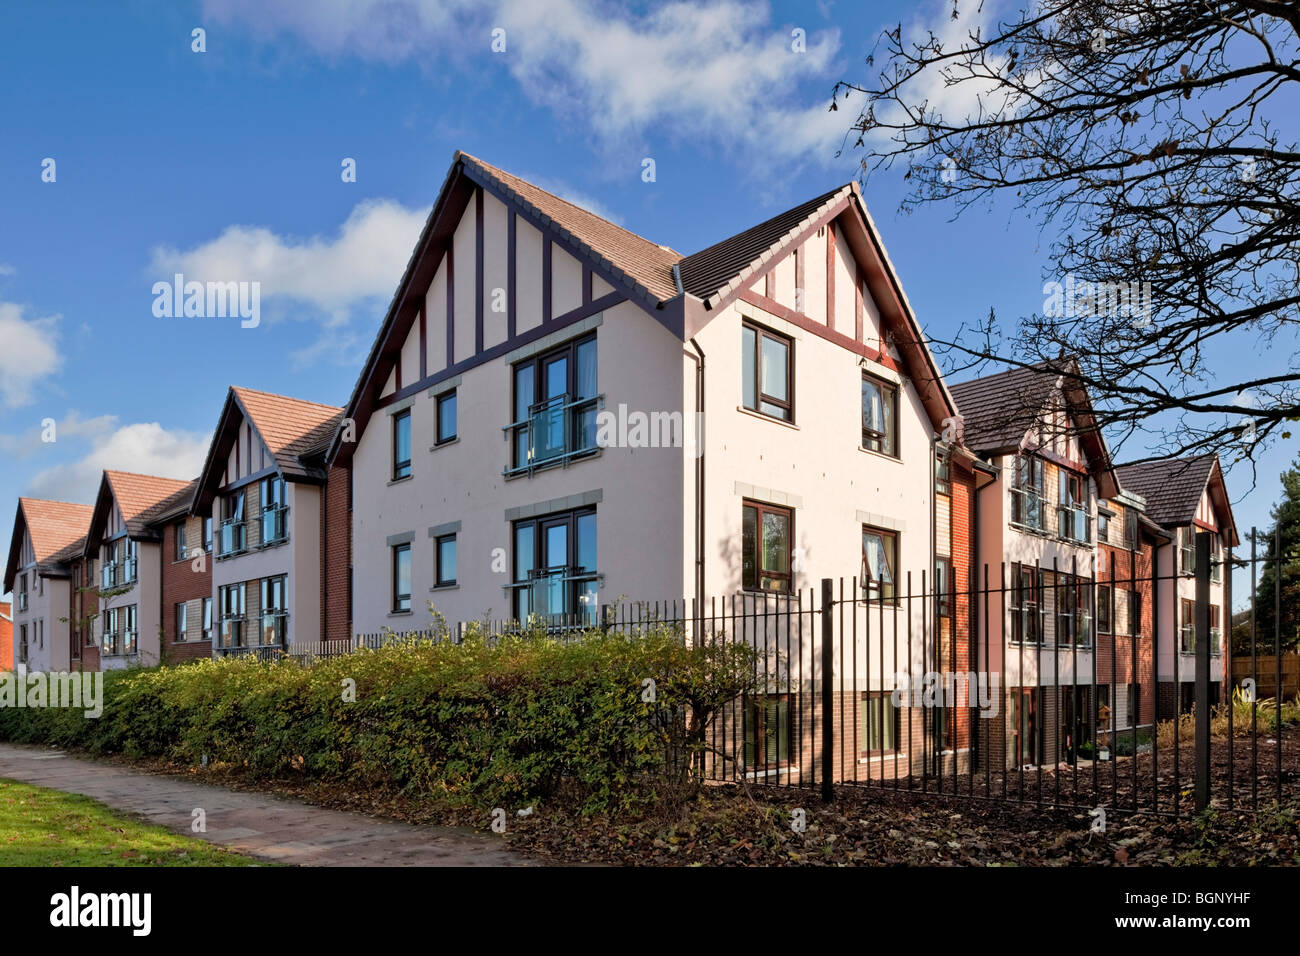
[336,551]
[83,615]
[6,638]
[182,584]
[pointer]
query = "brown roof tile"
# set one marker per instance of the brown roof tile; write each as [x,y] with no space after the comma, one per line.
[57,528]
[1172,487]
[291,427]
[998,409]
[140,497]
[645,263]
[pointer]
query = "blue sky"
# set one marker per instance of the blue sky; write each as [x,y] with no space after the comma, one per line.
[229,161]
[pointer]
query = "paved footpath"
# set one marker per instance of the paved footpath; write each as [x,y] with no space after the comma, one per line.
[258,824]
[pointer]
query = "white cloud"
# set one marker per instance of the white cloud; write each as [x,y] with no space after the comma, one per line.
[722,72]
[71,425]
[335,274]
[28,353]
[146,448]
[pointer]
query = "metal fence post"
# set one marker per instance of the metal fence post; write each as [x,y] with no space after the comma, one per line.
[828,696]
[1202,793]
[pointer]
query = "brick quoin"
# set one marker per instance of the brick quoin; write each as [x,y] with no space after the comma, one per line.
[336,553]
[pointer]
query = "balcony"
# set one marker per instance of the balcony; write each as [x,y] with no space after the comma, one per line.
[275,525]
[1028,509]
[1074,524]
[560,597]
[555,432]
[275,628]
[234,636]
[231,539]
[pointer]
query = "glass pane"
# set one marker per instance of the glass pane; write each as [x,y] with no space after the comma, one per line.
[776,411]
[587,370]
[521,447]
[524,551]
[588,607]
[587,542]
[776,542]
[447,559]
[873,408]
[557,546]
[557,377]
[749,392]
[749,549]
[404,574]
[774,369]
[548,430]
[887,420]
[525,390]
[447,417]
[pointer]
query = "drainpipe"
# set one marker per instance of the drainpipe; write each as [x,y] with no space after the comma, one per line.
[698,357]
[934,606]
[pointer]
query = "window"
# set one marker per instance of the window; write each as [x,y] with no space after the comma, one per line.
[943,587]
[232,524]
[943,475]
[1130,528]
[768,731]
[22,592]
[1072,520]
[446,418]
[1130,704]
[1073,621]
[1026,605]
[1103,526]
[879,723]
[275,527]
[402,445]
[131,562]
[22,642]
[178,535]
[767,379]
[766,537]
[1216,558]
[1135,612]
[555,399]
[1028,506]
[207,618]
[207,533]
[444,554]
[401,577]
[1187,550]
[232,633]
[1025,743]
[120,637]
[1215,634]
[180,622]
[275,612]
[1104,608]
[879,416]
[879,564]
[555,568]
[1187,631]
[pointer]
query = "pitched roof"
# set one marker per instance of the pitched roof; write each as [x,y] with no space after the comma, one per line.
[1172,487]
[290,427]
[57,530]
[140,497]
[646,263]
[175,504]
[725,263]
[998,409]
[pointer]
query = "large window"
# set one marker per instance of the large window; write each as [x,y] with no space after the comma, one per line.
[879,416]
[1104,608]
[1216,635]
[1216,558]
[275,509]
[1072,520]
[1028,506]
[880,720]
[275,611]
[402,444]
[879,564]
[1025,734]
[1026,605]
[1187,628]
[555,399]
[768,731]
[444,557]
[120,637]
[767,535]
[1073,620]
[232,524]
[446,417]
[1187,550]
[233,632]
[767,378]
[555,568]
[401,578]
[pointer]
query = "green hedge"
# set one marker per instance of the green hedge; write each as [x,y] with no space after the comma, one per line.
[515,720]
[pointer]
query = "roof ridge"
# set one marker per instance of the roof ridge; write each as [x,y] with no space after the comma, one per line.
[287,398]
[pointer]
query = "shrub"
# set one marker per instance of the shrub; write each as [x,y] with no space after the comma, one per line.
[513,719]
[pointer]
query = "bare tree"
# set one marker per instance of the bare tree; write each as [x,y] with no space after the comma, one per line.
[1141,136]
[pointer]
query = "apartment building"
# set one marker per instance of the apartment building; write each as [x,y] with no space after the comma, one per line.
[1184,496]
[265,497]
[48,537]
[127,547]
[557,412]
[185,599]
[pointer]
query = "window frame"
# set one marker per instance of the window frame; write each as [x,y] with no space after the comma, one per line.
[439,581]
[1027,596]
[396,595]
[762,508]
[1029,482]
[754,718]
[886,702]
[885,386]
[179,619]
[439,403]
[760,397]
[575,408]
[1106,602]
[178,541]
[579,577]
[401,467]
[869,585]
[944,590]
